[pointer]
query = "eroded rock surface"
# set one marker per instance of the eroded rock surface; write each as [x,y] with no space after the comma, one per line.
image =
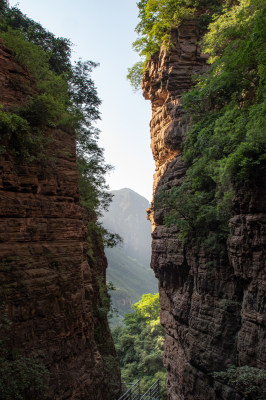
[48,282]
[212,306]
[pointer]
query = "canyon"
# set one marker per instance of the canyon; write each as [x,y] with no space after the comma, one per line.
[212,304]
[53,293]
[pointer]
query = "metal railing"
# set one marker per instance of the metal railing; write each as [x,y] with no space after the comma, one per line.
[153,393]
[133,393]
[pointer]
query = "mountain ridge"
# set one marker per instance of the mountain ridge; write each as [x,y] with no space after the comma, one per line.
[129,264]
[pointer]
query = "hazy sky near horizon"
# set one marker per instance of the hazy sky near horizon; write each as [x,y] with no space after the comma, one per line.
[103,31]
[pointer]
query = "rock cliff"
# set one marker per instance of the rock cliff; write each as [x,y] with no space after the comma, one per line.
[212,306]
[52,273]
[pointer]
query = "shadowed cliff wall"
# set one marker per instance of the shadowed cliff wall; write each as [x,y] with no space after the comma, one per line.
[51,271]
[212,306]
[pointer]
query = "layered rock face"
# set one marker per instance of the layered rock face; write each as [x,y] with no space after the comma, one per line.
[212,305]
[49,285]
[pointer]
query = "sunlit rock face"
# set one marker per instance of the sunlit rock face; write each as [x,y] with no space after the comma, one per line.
[48,284]
[212,306]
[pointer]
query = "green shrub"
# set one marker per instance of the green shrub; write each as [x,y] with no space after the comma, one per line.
[64,96]
[157,19]
[15,133]
[21,378]
[250,382]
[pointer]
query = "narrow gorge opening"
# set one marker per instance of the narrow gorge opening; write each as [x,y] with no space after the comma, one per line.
[179,313]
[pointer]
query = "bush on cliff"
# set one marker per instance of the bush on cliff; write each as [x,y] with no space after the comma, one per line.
[65,96]
[157,19]
[249,382]
[20,377]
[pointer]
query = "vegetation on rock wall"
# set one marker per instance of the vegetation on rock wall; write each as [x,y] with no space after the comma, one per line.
[65,97]
[60,96]
[140,342]
[20,377]
[157,19]
[249,382]
[225,145]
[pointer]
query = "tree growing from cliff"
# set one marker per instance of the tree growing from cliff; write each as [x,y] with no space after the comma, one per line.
[67,97]
[157,19]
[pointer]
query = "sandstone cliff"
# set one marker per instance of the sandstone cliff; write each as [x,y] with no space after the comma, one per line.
[212,306]
[51,272]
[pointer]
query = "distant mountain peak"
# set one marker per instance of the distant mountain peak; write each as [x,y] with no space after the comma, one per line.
[130,192]
[127,216]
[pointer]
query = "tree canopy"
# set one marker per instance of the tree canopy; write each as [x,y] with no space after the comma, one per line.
[140,342]
[67,97]
[157,19]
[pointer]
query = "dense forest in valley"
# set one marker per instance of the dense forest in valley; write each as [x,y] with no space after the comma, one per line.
[139,344]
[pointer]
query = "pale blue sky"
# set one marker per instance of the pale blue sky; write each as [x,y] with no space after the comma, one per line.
[103,31]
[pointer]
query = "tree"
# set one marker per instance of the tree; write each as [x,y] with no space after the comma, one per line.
[139,343]
[67,97]
[157,19]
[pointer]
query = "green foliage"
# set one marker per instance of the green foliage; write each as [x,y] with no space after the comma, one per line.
[83,93]
[149,308]
[197,214]
[235,42]
[109,239]
[139,344]
[36,60]
[250,382]
[66,97]
[157,19]
[21,377]
[105,301]
[59,49]
[225,146]
[17,132]
[43,109]
[92,170]
[135,75]
[105,307]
